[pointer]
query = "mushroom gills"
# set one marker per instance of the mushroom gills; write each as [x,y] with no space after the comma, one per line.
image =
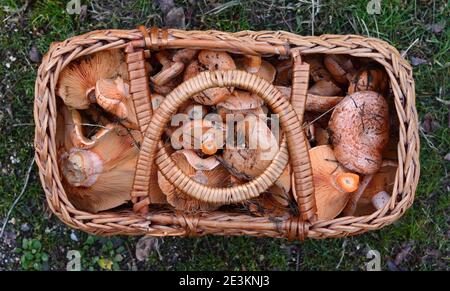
[204,171]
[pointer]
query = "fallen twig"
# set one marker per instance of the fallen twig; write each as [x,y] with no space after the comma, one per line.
[24,187]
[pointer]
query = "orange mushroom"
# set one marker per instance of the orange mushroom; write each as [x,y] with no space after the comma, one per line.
[211,61]
[314,103]
[100,177]
[76,84]
[205,171]
[114,97]
[170,70]
[240,102]
[359,128]
[340,67]
[255,146]
[370,78]
[330,196]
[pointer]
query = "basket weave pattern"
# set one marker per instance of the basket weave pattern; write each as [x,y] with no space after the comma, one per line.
[174,223]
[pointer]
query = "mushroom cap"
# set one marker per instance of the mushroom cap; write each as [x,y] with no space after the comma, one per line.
[185,55]
[205,171]
[316,68]
[240,102]
[77,81]
[267,71]
[74,131]
[193,109]
[370,78]
[340,67]
[210,61]
[330,200]
[264,70]
[196,133]
[380,199]
[324,88]
[255,147]
[101,177]
[359,128]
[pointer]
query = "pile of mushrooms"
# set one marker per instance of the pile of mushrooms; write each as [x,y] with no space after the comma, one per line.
[346,121]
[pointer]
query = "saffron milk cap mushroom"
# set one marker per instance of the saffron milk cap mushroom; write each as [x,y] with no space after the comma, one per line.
[254,148]
[203,134]
[255,65]
[252,64]
[209,60]
[382,181]
[76,84]
[330,192]
[114,97]
[169,71]
[359,128]
[316,103]
[74,130]
[324,88]
[380,199]
[185,55]
[206,171]
[340,67]
[370,78]
[100,177]
[317,69]
[240,102]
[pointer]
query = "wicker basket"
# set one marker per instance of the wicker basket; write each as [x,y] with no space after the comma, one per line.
[145,221]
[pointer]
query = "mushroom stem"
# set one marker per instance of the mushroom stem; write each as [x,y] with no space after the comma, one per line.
[316,103]
[350,208]
[168,73]
[348,182]
[252,63]
[163,58]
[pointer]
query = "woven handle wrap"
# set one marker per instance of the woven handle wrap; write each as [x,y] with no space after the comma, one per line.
[233,78]
[303,179]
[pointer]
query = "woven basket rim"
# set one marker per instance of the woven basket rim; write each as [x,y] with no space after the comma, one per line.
[173,223]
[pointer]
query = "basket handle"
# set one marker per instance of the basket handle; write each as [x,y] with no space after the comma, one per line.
[303,184]
[152,136]
[232,78]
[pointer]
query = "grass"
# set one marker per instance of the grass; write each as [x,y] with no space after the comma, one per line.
[408,25]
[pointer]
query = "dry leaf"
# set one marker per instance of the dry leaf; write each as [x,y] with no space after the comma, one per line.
[166,5]
[429,125]
[34,55]
[145,246]
[418,61]
[436,27]
[404,253]
[175,18]
[447,157]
